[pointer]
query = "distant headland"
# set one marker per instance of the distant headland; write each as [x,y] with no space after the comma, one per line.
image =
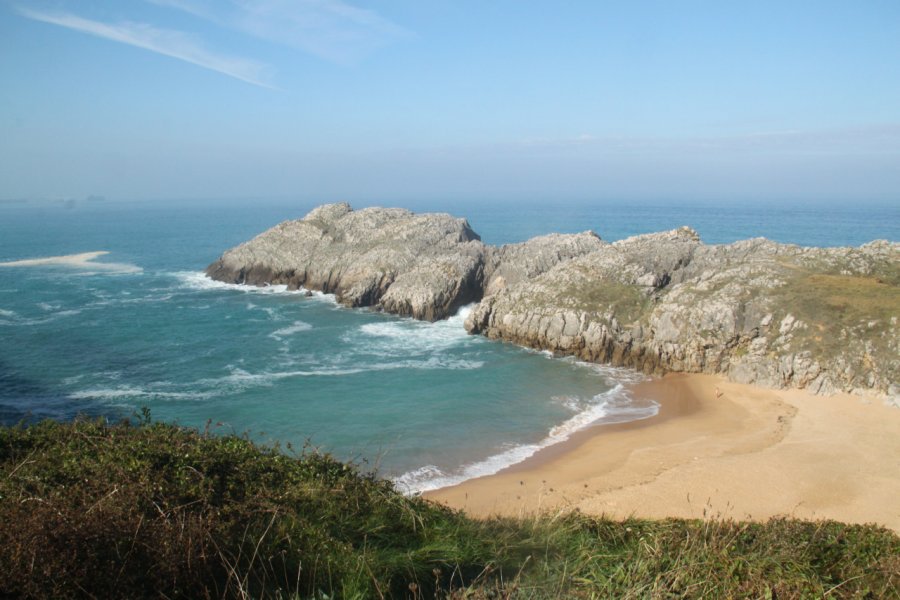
[756,311]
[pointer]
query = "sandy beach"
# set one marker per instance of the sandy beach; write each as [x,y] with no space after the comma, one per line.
[716,449]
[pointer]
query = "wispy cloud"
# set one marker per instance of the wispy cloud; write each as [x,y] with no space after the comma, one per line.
[175,44]
[329,29]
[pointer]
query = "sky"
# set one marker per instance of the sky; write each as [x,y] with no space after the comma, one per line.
[438,99]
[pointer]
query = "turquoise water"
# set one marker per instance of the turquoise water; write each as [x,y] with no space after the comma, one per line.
[424,403]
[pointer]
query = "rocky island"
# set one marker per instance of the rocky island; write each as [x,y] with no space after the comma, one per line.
[756,311]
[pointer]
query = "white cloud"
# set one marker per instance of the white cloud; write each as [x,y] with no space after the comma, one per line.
[329,29]
[175,44]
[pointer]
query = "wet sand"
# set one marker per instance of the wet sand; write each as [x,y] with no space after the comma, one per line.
[716,449]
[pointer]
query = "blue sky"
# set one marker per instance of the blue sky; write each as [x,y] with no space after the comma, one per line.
[495,99]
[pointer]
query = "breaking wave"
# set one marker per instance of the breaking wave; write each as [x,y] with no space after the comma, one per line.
[198,280]
[296,327]
[125,392]
[611,406]
[410,337]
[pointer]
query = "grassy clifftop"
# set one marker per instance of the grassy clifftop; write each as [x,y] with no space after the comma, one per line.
[90,509]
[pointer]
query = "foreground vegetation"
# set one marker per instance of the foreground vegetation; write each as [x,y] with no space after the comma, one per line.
[89,509]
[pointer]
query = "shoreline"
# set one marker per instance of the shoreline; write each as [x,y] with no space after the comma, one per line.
[746,453]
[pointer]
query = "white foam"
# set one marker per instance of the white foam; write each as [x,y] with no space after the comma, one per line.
[407,337]
[133,392]
[17,320]
[296,327]
[241,379]
[443,363]
[619,374]
[613,402]
[84,260]
[165,297]
[593,413]
[198,280]
[572,403]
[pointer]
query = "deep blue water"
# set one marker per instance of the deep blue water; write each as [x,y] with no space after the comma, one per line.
[424,402]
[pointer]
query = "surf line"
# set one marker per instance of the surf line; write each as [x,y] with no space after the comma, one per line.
[84,260]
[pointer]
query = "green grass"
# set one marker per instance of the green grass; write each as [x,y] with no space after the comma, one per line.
[626,302]
[844,300]
[89,509]
[840,310]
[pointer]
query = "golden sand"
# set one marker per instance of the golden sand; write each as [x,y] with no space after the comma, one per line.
[716,449]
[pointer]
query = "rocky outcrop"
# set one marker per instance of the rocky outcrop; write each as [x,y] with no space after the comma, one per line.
[421,265]
[424,266]
[760,312]
[514,263]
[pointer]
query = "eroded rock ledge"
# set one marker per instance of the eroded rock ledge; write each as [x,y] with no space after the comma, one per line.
[778,315]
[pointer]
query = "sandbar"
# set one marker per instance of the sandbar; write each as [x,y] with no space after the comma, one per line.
[83,260]
[717,449]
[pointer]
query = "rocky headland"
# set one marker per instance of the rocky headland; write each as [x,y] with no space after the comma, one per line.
[757,311]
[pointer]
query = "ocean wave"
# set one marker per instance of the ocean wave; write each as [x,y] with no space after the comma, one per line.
[164,297]
[407,337]
[272,313]
[572,403]
[84,260]
[12,318]
[617,374]
[610,373]
[133,392]
[437,363]
[239,378]
[198,280]
[242,378]
[611,406]
[296,327]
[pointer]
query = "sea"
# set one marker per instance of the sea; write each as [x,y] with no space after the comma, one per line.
[141,327]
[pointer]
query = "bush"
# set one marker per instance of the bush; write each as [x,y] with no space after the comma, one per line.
[152,510]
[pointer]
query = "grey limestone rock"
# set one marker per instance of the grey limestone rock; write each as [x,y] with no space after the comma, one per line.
[424,266]
[779,315]
[514,263]
[757,311]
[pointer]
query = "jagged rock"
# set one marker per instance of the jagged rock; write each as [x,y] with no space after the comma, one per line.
[513,263]
[758,311]
[424,266]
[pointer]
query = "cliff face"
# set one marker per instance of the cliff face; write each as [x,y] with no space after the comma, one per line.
[760,312]
[772,314]
[424,266]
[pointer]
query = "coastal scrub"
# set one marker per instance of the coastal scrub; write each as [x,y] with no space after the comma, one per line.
[92,509]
